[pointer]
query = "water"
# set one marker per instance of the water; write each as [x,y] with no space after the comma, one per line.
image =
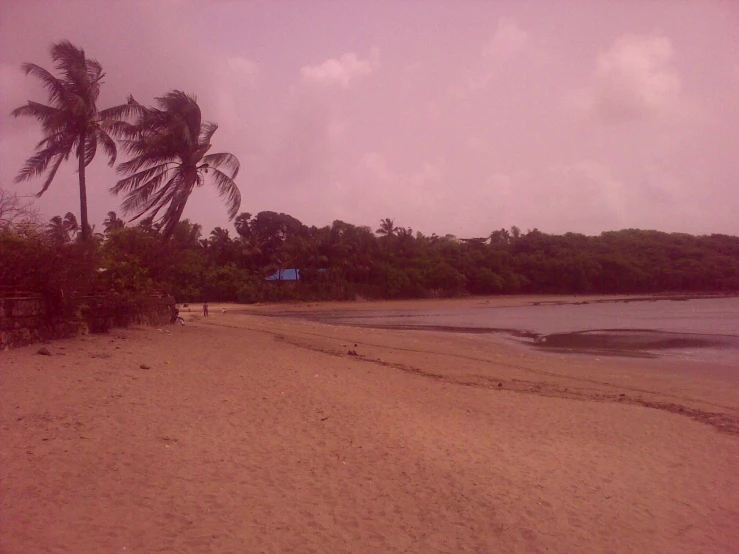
[699,329]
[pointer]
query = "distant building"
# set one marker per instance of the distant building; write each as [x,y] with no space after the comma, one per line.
[287,275]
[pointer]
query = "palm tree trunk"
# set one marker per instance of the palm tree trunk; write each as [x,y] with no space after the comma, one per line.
[83,190]
[172,223]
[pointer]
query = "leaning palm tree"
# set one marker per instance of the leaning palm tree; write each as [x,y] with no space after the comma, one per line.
[71,122]
[169,146]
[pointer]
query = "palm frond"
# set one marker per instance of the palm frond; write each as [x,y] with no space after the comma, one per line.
[130,109]
[135,201]
[70,62]
[152,193]
[227,190]
[146,158]
[183,107]
[163,199]
[54,87]
[49,140]
[90,148]
[52,119]
[108,145]
[119,129]
[52,173]
[38,163]
[206,132]
[95,71]
[229,161]
[129,184]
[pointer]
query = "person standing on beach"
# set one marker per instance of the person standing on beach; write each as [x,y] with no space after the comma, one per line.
[205,310]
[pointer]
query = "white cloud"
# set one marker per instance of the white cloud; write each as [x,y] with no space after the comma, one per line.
[341,71]
[634,79]
[508,39]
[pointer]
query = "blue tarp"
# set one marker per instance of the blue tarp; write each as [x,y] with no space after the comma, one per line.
[285,275]
[288,275]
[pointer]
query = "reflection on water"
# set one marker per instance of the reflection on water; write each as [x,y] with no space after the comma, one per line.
[706,329]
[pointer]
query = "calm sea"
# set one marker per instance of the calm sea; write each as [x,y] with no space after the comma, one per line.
[699,329]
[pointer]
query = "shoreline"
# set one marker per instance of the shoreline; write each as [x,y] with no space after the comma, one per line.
[499,301]
[625,341]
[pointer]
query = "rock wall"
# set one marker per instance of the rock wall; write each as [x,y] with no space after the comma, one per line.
[28,319]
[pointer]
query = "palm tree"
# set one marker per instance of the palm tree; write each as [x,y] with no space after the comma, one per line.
[241,223]
[71,123]
[113,223]
[221,246]
[387,227]
[169,146]
[62,230]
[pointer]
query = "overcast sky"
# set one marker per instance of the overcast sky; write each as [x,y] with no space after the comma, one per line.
[453,116]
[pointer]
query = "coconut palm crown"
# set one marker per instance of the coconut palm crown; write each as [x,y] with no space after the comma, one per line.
[71,122]
[169,148]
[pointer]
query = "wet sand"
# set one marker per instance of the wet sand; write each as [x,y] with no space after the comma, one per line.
[705,328]
[253,434]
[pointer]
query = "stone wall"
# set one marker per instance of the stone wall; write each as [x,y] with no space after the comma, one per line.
[27,319]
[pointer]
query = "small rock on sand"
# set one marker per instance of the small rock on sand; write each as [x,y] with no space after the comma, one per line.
[145,366]
[43,351]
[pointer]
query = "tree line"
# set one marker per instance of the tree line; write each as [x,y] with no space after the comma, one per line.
[345,261]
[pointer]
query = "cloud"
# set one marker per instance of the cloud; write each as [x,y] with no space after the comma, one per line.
[341,71]
[635,79]
[508,39]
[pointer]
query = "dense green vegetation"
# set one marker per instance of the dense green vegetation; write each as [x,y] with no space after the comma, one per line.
[392,262]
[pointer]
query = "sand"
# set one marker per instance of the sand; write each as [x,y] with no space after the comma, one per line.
[253,434]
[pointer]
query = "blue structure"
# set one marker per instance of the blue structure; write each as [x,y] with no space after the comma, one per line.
[288,275]
[285,275]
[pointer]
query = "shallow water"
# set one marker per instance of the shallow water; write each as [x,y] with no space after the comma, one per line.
[699,329]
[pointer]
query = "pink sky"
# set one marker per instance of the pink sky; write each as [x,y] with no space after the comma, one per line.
[450,116]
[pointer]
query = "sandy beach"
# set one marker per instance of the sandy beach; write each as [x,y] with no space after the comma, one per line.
[240,433]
